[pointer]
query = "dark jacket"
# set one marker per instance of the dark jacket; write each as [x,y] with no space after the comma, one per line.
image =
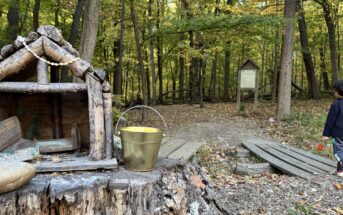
[334,121]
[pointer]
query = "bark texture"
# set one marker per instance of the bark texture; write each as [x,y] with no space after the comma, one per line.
[10,132]
[96,119]
[170,189]
[89,29]
[284,98]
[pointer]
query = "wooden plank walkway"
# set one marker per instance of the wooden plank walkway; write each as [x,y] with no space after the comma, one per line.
[179,149]
[291,160]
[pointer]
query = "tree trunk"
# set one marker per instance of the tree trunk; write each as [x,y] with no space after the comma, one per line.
[313,89]
[117,80]
[116,193]
[35,15]
[73,33]
[284,98]
[57,13]
[332,37]
[181,76]
[213,83]
[139,55]
[76,21]
[89,30]
[227,71]
[324,73]
[13,20]
[276,67]
[159,54]
[152,60]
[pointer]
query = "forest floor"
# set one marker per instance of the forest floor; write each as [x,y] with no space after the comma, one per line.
[223,128]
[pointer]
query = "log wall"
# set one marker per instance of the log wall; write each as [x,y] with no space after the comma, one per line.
[34,113]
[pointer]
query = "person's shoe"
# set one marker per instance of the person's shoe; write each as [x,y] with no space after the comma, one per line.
[339,173]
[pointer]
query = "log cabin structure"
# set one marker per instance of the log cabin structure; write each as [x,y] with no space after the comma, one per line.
[31,89]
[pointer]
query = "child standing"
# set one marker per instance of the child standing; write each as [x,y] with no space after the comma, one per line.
[334,126]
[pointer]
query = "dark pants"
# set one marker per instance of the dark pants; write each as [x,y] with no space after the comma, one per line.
[338,148]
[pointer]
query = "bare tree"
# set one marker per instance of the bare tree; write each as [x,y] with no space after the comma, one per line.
[285,82]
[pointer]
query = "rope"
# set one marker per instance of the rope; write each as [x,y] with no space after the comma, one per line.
[46,61]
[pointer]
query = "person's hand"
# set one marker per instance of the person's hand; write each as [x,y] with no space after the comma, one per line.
[324,138]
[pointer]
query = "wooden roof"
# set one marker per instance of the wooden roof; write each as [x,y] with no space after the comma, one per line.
[248,61]
[46,42]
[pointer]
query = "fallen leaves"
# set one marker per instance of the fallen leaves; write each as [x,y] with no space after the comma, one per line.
[338,186]
[196,180]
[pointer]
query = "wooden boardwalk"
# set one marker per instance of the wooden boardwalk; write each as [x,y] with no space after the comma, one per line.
[291,160]
[179,149]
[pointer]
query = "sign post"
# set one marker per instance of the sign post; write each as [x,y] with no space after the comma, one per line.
[247,80]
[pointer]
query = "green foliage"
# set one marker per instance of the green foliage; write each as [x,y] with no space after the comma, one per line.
[115,114]
[301,209]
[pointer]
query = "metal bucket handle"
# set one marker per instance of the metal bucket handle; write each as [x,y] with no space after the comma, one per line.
[140,106]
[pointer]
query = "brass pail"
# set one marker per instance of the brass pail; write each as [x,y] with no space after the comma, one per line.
[141,146]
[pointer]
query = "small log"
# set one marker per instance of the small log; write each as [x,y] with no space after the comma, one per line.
[68,47]
[58,54]
[55,145]
[32,36]
[42,72]
[52,33]
[61,145]
[74,163]
[7,50]
[18,43]
[18,61]
[31,87]
[10,132]
[106,87]
[108,125]
[96,118]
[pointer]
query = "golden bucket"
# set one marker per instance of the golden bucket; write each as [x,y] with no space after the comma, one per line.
[140,144]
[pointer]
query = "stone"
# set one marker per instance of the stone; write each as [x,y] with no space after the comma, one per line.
[253,168]
[15,175]
[243,153]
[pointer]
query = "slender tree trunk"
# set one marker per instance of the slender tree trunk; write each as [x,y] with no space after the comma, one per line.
[213,82]
[89,30]
[285,83]
[324,73]
[159,54]
[227,71]
[73,33]
[35,15]
[117,80]
[57,13]
[13,20]
[76,21]
[152,59]
[276,67]
[330,24]
[181,76]
[313,89]
[139,54]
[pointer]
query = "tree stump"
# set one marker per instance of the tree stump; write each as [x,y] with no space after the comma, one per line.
[169,189]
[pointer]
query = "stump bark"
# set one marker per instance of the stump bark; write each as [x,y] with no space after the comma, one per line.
[166,190]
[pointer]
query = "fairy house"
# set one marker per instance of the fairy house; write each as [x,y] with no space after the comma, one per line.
[47,107]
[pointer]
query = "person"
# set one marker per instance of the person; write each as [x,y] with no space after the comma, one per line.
[334,126]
